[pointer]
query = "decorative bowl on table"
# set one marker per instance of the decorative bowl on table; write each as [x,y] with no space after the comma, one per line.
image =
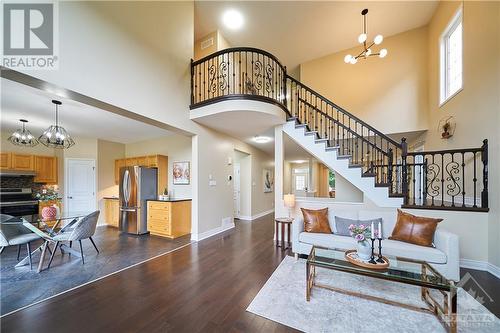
[49,213]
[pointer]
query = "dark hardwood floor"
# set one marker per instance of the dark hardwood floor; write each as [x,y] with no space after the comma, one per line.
[205,287]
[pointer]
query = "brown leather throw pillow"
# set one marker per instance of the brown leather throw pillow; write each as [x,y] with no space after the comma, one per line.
[413,229]
[316,220]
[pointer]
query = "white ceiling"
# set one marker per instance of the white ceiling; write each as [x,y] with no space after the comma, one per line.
[80,120]
[296,32]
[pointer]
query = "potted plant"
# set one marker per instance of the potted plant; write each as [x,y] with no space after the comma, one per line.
[164,196]
[48,194]
[361,233]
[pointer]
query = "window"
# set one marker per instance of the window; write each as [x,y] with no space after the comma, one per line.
[451,59]
[300,182]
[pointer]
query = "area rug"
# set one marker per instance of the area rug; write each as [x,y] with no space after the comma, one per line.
[282,299]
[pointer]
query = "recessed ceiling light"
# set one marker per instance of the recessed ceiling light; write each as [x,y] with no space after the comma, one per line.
[261,139]
[232,19]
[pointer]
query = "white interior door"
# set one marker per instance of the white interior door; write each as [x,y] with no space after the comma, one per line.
[80,185]
[237,190]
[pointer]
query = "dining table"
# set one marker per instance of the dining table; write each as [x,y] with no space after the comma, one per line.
[47,228]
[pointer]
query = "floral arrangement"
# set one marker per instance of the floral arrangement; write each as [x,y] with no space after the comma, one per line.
[360,232]
[47,193]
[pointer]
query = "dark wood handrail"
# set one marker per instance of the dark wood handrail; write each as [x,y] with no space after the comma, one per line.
[238,49]
[327,116]
[324,99]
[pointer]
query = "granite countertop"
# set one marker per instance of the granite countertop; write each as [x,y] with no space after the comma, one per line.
[170,200]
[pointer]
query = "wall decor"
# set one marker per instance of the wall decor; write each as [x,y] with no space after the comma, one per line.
[181,173]
[268,180]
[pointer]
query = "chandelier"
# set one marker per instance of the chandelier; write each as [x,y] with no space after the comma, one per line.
[56,136]
[367,48]
[23,137]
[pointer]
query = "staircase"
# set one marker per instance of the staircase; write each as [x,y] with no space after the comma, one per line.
[387,173]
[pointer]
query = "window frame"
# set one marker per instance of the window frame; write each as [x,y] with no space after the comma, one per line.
[456,20]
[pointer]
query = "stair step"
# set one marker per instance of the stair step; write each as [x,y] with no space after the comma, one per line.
[312,133]
[355,166]
[396,195]
[321,140]
[368,174]
[382,185]
[332,148]
[292,119]
[300,126]
[344,157]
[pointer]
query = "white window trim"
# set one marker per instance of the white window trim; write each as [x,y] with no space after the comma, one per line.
[456,20]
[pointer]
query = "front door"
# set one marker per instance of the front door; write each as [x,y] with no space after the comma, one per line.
[80,185]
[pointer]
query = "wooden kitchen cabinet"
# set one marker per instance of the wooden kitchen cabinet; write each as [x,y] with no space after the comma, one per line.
[22,162]
[169,219]
[5,160]
[45,168]
[152,161]
[111,212]
[118,165]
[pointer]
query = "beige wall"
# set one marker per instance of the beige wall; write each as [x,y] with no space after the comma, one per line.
[377,89]
[219,43]
[107,153]
[176,147]
[476,108]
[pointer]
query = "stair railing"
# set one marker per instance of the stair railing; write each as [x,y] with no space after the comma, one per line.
[447,179]
[454,178]
[366,147]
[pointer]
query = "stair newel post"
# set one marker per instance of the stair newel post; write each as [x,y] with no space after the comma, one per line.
[484,159]
[390,158]
[192,82]
[404,170]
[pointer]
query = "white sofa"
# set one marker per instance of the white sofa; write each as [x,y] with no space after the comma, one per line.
[444,256]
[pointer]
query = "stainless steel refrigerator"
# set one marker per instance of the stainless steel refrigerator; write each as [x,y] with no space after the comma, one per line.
[137,184]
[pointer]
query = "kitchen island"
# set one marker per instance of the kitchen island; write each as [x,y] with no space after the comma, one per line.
[169,218]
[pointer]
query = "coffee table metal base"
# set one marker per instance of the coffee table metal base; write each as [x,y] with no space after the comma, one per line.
[446,313]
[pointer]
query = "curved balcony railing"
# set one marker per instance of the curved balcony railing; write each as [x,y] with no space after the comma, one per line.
[448,179]
[238,73]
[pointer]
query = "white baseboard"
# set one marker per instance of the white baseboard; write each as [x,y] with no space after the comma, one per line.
[256,216]
[212,232]
[481,266]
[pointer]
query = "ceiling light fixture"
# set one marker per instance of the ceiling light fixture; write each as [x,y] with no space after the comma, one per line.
[56,136]
[23,137]
[367,49]
[232,19]
[261,139]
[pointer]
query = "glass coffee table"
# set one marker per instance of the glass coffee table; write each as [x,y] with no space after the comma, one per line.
[401,270]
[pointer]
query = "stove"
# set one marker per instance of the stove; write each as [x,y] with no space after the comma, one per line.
[17,202]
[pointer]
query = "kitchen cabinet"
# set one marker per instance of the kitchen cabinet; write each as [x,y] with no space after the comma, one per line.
[45,169]
[5,159]
[118,165]
[21,162]
[111,212]
[169,219]
[152,161]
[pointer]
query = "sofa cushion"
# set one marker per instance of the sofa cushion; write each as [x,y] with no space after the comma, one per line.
[316,220]
[414,229]
[342,225]
[389,247]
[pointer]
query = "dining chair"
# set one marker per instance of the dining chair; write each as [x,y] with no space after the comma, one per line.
[16,234]
[82,229]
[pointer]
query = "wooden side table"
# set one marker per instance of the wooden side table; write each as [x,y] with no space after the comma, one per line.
[283,221]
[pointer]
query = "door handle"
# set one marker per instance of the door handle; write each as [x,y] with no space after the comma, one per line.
[70,197]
